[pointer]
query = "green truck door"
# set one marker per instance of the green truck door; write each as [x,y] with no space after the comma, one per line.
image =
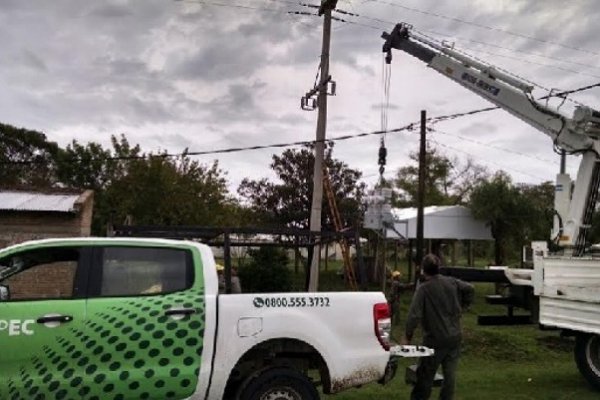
[145,323]
[38,322]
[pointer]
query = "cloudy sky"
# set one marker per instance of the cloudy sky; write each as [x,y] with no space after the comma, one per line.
[207,75]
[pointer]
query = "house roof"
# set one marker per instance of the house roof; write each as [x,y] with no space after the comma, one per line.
[440,222]
[35,201]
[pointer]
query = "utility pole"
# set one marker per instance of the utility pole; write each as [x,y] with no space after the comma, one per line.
[317,198]
[421,190]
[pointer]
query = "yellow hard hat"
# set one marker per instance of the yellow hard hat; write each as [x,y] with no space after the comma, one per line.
[219,267]
[396,274]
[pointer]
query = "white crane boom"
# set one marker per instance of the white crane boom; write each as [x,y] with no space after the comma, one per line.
[576,134]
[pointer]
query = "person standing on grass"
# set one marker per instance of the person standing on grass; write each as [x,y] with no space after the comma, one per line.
[396,289]
[437,306]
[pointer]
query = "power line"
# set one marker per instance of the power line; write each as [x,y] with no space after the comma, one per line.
[360,16]
[493,147]
[490,28]
[488,161]
[231,5]
[512,49]
[482,110]
[537,63]
[408,127]
[354,14]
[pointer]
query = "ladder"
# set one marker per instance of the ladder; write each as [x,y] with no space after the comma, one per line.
[337,222]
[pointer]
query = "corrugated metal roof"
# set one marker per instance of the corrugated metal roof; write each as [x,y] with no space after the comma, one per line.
[32,201]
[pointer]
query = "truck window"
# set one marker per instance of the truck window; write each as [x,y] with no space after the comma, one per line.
[40,274]
[131,271]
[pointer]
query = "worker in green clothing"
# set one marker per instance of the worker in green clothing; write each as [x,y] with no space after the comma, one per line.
[437,306]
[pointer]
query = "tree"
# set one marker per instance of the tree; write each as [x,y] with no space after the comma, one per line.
[513,214]
[151,189]
[447,182]
[91,166]
[288,202]
[539,220]
[26,158]
[161,191]
[267,272]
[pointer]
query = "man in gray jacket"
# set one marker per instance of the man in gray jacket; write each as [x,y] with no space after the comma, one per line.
[437,306]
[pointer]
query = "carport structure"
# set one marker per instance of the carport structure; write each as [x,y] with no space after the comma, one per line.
[449,224]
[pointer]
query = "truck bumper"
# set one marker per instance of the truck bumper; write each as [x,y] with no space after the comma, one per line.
[390,371]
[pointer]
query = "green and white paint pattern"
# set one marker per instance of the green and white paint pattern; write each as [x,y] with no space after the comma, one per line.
[130,350]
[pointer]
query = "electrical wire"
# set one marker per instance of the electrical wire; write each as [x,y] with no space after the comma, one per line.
[513,50]
[490,28]
[233,5]
[408,127]
[356,15]
[488,161]
[536,63]
[492,146]
[486,109]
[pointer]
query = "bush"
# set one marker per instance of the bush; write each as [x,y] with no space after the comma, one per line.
[266,272]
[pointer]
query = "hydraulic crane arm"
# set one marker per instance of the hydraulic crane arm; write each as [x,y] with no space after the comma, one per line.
[578,133]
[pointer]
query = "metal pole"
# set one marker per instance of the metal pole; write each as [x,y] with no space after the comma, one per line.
[421,192]
[227,261]
[563,161]
[317,198]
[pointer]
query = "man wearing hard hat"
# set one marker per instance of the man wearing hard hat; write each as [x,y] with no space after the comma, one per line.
[396,288]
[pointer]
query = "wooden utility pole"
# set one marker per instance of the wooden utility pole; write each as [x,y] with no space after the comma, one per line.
[317,198]
[421,191]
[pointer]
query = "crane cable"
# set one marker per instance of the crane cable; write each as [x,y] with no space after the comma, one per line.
[386,73]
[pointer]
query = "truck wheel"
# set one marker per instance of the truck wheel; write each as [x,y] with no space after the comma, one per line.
[279,384]
[587,357]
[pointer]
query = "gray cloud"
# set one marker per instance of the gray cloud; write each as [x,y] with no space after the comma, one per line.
[177,74]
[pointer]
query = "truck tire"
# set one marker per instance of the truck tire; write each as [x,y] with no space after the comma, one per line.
[279,384]
[587,357]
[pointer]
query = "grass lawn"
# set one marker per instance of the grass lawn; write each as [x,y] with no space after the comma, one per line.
[517,362]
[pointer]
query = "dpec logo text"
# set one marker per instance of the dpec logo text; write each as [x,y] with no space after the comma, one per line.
[15,327]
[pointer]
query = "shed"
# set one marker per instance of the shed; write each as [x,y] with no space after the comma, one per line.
[28,215]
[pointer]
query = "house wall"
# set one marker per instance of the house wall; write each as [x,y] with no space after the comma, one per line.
[20,226]
[52,280]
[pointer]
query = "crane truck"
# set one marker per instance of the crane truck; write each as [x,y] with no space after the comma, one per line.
[564,285]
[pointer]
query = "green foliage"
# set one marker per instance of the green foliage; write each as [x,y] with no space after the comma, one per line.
[516,215]
[447,182]
[146,188]
[266,272]
[26,158]
[151,189]
[288,202]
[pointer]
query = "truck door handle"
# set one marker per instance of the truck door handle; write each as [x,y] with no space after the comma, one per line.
[180,312]
[54,318]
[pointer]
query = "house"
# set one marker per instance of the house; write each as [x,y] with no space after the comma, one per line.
[28,215]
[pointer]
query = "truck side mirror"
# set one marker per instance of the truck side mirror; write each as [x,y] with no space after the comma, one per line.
[4,293]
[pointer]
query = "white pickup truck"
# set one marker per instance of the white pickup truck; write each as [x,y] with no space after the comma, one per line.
[98,318]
